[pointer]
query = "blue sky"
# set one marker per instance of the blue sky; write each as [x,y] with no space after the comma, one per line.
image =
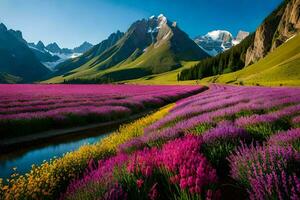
[70,22]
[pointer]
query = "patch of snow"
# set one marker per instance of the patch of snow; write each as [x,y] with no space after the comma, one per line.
[150,30]
[162,20]
[152,17]
[223,47]
[217,34]
[31,47]
[63,57]
[161,15]
[235,42]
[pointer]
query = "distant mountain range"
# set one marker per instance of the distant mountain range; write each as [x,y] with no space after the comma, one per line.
[157,48]
[17,62]
[150,46]
[51,55]
[218,41]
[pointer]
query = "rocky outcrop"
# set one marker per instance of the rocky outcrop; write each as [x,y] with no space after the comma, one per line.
[241,36]
[289,24]
[264,37]
[282,24]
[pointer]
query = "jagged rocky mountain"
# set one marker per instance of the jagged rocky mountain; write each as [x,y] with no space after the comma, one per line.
[17,62]
[150,46]
[41,53]
[240,37]
[51,55]
[218,41]
[97,50]
[84,47]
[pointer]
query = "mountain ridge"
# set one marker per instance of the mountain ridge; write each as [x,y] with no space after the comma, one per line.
[150,46]
[51,55]
[17,62]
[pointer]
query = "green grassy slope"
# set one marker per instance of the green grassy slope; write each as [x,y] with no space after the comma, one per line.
[155,62]
[137,54]
[167,78]
[280,67]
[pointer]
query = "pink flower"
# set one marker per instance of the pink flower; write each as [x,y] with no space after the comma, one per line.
[153,193]
[183,183]
[139,183]
[148,171]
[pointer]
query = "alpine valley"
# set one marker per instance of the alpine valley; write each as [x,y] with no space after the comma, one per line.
[150,46]
[205,108]
[157,51]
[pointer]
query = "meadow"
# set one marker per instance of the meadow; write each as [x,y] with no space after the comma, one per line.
[26,109]
[227,142]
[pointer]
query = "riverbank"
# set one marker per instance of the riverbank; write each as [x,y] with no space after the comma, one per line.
[51,177]
[11,144]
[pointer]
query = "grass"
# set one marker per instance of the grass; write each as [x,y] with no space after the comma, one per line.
[166,78]
[278,68]
[158,65]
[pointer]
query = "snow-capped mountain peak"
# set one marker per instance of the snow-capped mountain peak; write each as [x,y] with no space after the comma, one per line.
[218,41]
[219,35]
[162,20]
[152,17]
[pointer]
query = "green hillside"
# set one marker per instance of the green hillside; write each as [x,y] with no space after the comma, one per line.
[166,78]
[280,67]
[149,47]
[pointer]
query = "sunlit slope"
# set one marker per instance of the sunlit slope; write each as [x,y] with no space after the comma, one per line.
[154,60]
[280,67]
[149,47]
[166,78]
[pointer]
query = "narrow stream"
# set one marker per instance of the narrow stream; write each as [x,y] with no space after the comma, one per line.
[23,159]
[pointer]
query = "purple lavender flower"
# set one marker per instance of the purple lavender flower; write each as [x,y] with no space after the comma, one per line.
[249,162]
[225,131]
[291,137]
[296,120]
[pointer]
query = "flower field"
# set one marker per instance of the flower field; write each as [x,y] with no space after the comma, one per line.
[227,142]
[242,139]
[49,179]
[34,108]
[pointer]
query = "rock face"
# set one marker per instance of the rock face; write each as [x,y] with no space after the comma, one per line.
[289,24]
[282,24]
[240,37]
